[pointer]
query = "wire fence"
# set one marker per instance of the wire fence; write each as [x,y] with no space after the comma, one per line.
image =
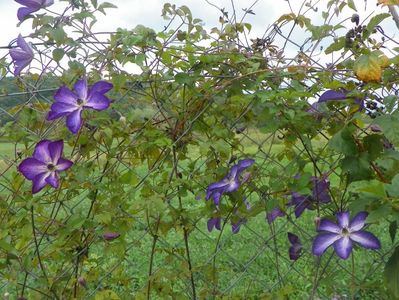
[51,246]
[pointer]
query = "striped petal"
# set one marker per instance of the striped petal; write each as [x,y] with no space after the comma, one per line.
[343,247]
[323,241]
[365,239]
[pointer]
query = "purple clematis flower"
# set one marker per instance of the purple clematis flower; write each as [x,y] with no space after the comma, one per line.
[31,6]
[43,167]
[274,214]
[296,246]
[21,56]
[332,95]
[343,235]
[229,183]
[71,104]
[319,195]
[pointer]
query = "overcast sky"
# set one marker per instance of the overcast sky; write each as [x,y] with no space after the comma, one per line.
[148,12]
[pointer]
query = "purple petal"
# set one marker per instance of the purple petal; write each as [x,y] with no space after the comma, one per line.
[213,223]
[293,238]
[81,89]
[357,222]
[365,239]
[53,180]
[327,225]
[235,228]
[29,3]
[25,11]
[19,55]
[332,95]
[63,164]
[65,95]
[323,241]
[274,214]
[216,186]
[24,45]
[46,3]
[320,190]
[56,148]
[101,87]
[343,247]
[232,186]
[245,163]
[74,121]
[60,109]
[97,101]
[343,219]
[42,152]
[31,167]
[300,208]
[109,236]
[39,182]
[233,173]
[295,252]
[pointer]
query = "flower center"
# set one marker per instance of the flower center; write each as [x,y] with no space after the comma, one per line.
[51,167]
[345,232]
[80,102]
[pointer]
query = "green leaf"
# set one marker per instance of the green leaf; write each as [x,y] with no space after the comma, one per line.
[129,177]
[58,35]
[374,145]
[106,5]
[183,78]
[344,142]
[393,227]
[352,5]
[337,45]
[372,187]
[390,126]
[58,54]
[393,188]
[374,21]
[391,274]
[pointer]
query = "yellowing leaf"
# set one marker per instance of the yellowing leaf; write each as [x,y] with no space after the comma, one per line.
[368,67]
[388,2]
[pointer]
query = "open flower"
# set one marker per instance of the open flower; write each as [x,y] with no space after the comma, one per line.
[21,56]
[319,195]
[343,235]
[71,104]
[229,183]
[43,167]
[296,246]
[31,6]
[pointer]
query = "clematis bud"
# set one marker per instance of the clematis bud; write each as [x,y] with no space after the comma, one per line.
[110,236]
[122,119]
[317,222]
[82,282]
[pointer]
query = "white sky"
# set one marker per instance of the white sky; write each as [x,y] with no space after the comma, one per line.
[148,12]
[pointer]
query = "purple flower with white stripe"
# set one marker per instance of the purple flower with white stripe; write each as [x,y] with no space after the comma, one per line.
[21,56]
[332,95]
[296,246]
[45,164]
[71,103]
[319,195]
[342,235]
[229,183]
[31,6]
